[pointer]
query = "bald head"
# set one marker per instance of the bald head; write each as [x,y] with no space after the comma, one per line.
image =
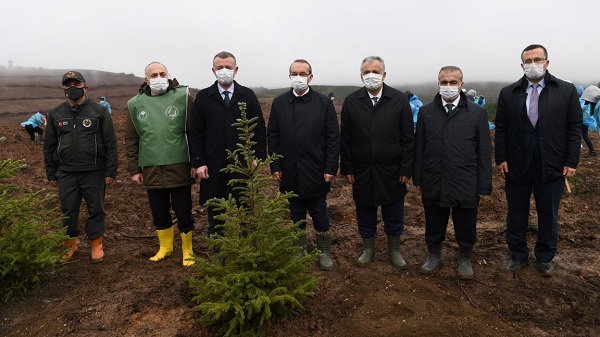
[156,69]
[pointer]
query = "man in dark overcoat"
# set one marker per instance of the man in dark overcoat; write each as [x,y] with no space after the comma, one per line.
[377,153]
[215,110]
[538,141]
[453,167]
[303,129]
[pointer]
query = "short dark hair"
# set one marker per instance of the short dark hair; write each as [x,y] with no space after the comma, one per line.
[535,46]
[224,55]
[450,69]
[302,61]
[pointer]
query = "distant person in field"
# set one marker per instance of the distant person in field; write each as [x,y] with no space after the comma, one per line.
[331,95]
[216,108]
[377,153]
[105,103]
[471,94]
[453,168]
[158,156]
[587,100]
[303,129]
[415,105]
[80,155]
[538,140]
[33,127]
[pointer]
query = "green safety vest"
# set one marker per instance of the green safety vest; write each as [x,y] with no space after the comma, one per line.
[160,122]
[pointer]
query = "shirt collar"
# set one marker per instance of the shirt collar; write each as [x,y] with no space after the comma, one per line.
[541,83]
[296,94]
[230,89]
[378,94]
[455,103]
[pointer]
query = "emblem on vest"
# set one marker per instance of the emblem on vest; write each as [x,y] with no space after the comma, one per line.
[87,123]
[142,115]
[171,112]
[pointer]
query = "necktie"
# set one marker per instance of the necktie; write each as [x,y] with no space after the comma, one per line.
[226,98]
[375,99]
[450,107]
[533,105]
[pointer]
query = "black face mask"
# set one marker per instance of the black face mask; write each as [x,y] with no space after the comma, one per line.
[74,93]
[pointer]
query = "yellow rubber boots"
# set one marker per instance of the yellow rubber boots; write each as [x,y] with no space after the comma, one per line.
[186,248]
[165,240]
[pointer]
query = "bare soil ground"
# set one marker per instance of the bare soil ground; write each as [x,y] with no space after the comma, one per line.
[127,295]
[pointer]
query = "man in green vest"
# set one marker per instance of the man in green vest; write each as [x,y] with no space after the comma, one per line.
[156,136]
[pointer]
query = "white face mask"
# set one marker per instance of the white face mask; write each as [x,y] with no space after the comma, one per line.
[372,81]
[534,71]
[159,85]
[225,76]
[299,83]
[449,92]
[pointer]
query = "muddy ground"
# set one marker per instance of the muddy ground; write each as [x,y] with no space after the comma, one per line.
[127,295]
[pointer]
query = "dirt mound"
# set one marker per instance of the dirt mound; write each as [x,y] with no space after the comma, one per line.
[127,295]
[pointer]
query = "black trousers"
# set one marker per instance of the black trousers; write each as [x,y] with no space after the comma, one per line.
[32,131]
[393,219]
[465,223]
[586,137]
[547,200]
[89,186]
[316,207]
[178,198]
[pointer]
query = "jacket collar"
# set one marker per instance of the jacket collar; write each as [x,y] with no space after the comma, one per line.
[290,97]
[145,88]
[385,93]
[462,103]
[214,89]
[523,83]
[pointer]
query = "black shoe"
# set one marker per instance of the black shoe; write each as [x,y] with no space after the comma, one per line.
[545,268]
[591,154]
[516,265]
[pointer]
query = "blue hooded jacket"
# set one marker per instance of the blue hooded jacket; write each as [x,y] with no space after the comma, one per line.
[36,120]
[415,104]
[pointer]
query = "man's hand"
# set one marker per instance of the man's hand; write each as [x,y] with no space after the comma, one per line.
[327,177]
[108,180]
[202,172]
[54,183]
[503,168]
[404,179]
[138,178]
[568,172]
[193,173]
[350,178]
[278,175]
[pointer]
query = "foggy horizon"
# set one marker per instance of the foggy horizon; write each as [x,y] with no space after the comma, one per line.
[484,39]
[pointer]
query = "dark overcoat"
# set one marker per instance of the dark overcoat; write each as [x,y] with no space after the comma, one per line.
[212,133]
[377,145]
[305,131]
[558,127]
[453,154]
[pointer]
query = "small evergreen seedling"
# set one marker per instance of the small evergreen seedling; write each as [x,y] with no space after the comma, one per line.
[264,275]
[31,238]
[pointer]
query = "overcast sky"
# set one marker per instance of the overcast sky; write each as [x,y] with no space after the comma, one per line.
[415,38]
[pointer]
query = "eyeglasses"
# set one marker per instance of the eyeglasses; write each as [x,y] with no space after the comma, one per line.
[536,60]
[302,74]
